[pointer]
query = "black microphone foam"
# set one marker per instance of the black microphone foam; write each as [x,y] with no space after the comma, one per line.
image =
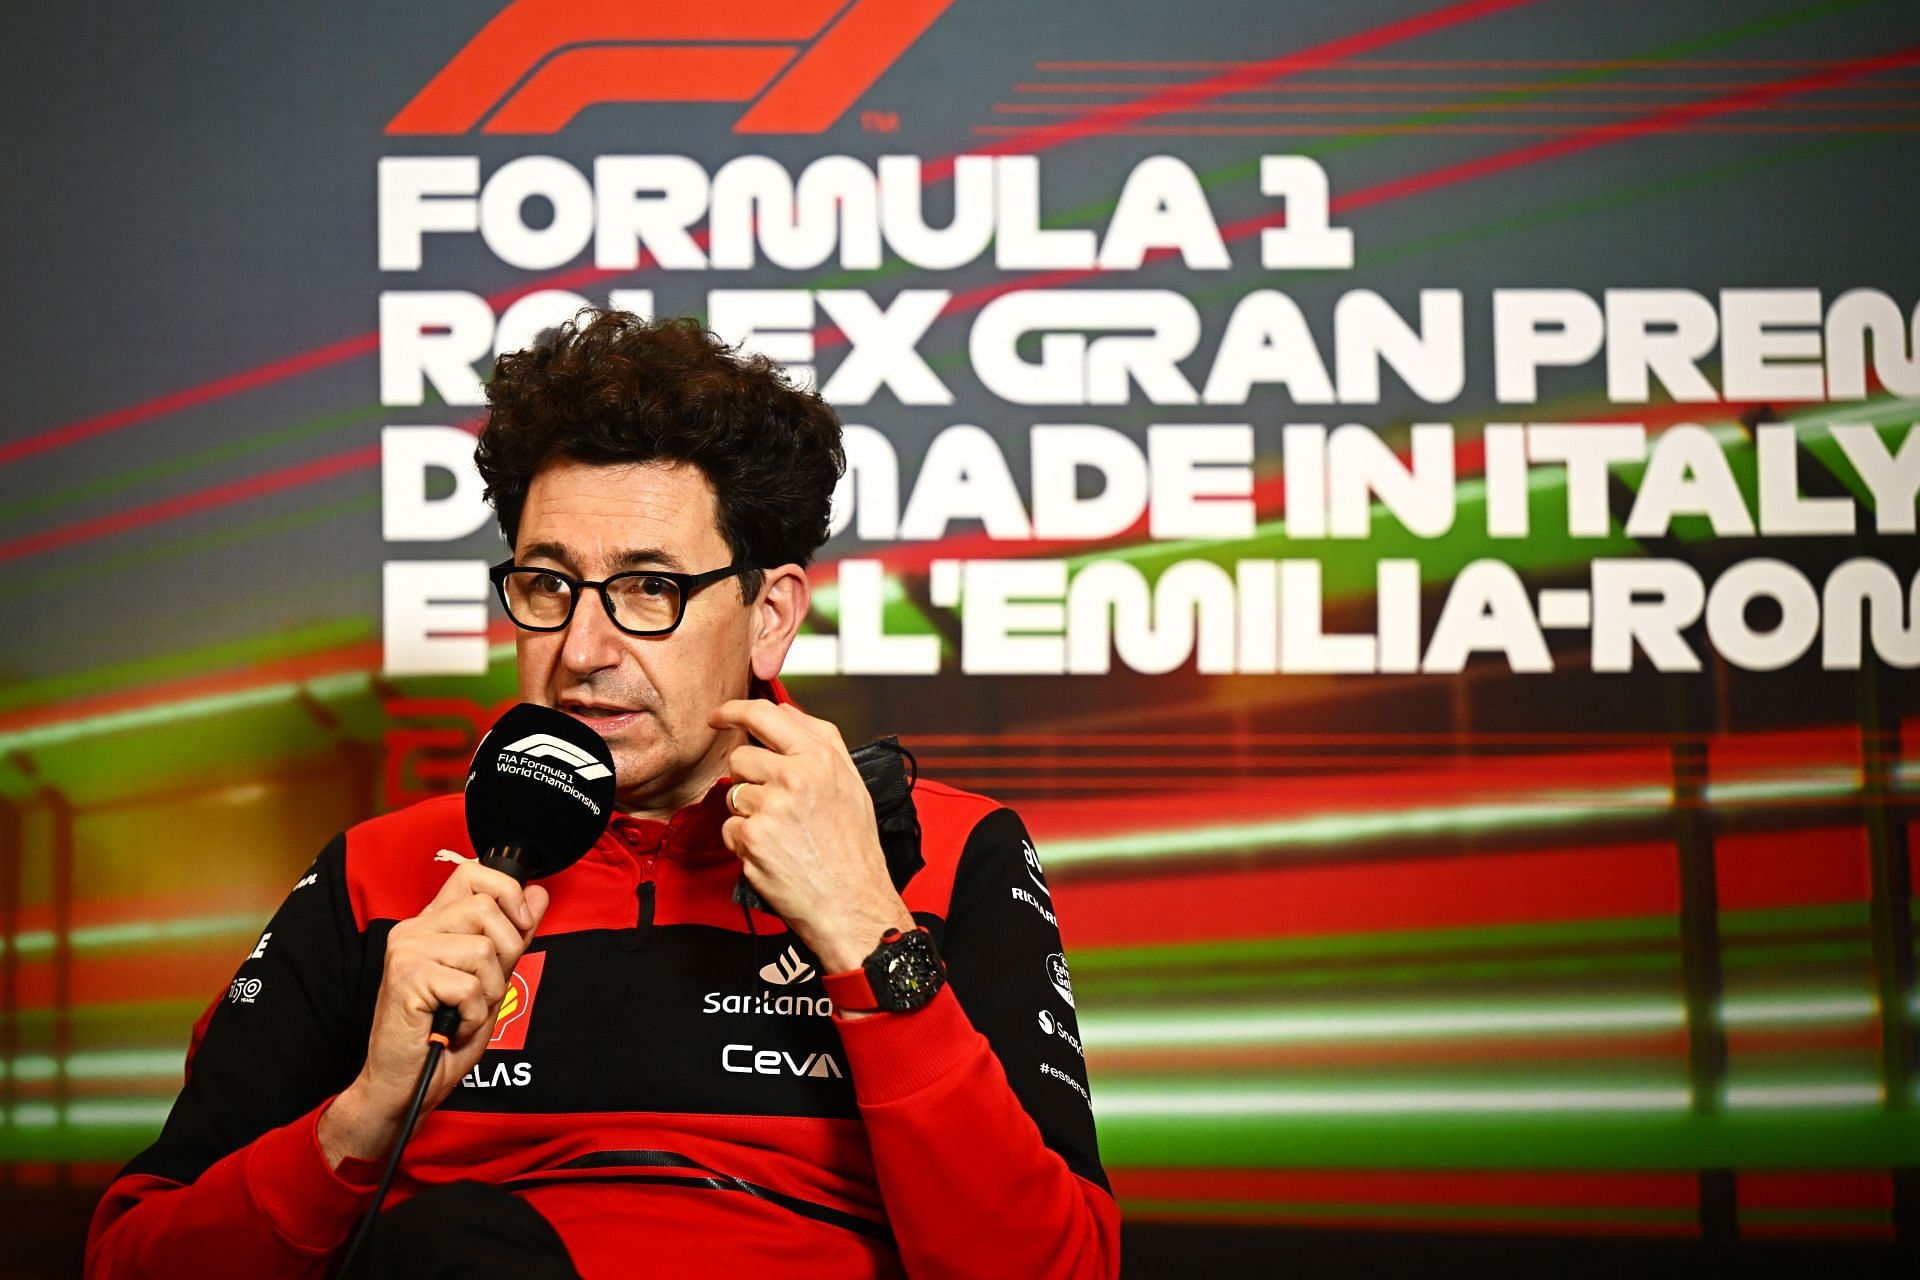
[539,793]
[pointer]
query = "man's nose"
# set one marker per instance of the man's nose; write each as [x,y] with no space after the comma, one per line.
[593,643]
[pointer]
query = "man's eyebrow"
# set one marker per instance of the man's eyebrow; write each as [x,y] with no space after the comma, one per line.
[549,551]
[650,558]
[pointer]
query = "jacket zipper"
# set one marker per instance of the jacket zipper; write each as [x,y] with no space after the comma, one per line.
[640,937]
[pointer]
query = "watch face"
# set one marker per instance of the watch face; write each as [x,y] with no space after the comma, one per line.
[906,972]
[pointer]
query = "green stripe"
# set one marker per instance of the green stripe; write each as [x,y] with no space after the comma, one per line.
[1777,920]
[177,464]
[152,553]
[246,652]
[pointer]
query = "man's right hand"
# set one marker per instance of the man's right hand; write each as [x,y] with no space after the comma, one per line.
[459,952]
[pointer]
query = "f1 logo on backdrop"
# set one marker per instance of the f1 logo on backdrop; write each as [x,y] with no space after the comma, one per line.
[539,63]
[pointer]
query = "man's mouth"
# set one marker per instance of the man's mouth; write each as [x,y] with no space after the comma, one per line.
[603,718]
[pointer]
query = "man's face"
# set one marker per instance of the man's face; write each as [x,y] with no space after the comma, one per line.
[649,697]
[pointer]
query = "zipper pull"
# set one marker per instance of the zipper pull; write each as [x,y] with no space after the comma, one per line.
[640,936]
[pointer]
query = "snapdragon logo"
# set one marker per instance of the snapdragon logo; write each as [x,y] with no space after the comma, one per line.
[744,1059]
[1052,1026]
[545,744]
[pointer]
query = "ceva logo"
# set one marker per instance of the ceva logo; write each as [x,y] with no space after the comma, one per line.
[545,744]
[539,63]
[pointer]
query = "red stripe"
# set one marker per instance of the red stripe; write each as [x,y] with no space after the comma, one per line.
[1476,108]
[1462,130]
[1760,870]
[187,504]
[1453,86]
[1815,1190]
[1486,890]
[1466,64]
[232,384]
[1601,135]
[301,473]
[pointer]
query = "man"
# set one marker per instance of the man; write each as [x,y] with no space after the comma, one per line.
[646,1078]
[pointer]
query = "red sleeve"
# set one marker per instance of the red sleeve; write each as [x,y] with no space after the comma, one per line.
[272,1208]
[978,1107]
[970,1188]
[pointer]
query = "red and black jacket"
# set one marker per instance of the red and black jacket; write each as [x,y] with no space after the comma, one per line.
[665,1084]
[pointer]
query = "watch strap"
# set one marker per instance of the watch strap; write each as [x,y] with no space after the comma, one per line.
[851,991]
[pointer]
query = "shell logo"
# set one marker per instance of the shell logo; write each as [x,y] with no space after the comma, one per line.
[516,1007]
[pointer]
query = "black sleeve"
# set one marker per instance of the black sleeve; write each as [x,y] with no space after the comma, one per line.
[289,1031]
[1009,971]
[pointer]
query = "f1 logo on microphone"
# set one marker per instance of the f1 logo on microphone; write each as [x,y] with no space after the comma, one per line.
[545,744]
[539,63]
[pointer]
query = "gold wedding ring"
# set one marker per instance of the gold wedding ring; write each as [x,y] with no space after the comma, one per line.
[733,799]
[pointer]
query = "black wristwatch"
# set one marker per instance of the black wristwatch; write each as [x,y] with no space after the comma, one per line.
[904,972]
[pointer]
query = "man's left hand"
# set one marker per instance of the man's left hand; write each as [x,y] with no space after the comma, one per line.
[805,834]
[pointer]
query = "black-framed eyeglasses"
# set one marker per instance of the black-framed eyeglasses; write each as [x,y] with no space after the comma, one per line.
[645,602]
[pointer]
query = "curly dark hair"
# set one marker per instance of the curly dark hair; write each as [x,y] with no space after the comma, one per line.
[611,387]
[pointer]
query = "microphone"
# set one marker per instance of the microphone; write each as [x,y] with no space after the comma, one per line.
[539,793]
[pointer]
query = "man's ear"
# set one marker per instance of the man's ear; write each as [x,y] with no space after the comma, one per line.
[784,599]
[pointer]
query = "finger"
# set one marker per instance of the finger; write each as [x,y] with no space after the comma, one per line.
[764,720]
[470,878]
[733,834]
[753,764]
[480,915]
[469,953]
[743,799]
[461,991]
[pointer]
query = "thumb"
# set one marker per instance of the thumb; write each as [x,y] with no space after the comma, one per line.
[537,900]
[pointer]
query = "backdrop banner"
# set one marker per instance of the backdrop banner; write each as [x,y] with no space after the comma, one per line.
[1414,503]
